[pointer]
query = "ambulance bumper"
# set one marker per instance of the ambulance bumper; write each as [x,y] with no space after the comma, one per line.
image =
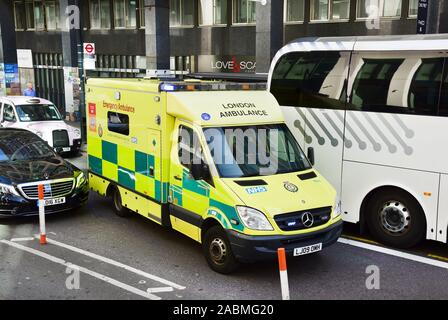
[256,248]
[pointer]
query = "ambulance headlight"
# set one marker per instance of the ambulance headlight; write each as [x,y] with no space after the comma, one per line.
[7,189]
[77,133]
[337,208]
[80,179]
[254,219]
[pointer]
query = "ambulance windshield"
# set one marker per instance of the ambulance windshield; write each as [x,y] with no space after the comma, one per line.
[248,151]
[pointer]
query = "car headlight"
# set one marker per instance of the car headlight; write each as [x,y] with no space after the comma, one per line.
[80,180]
[254,219]
[77,133]
[337,211]
[7,189]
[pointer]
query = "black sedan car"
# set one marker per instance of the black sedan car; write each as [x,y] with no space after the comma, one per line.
[27,161]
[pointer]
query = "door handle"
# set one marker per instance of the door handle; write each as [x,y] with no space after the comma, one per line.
[178,178]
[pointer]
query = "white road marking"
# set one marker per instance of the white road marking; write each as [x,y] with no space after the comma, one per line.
[394,253]
[115,263]
[22,239]
[162,289]
[94,274]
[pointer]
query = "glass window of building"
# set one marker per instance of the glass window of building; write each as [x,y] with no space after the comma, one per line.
[99,14]
[244,11]
[294,10]
[205,11]
[330,9]
[220,11]
[320,9]
[125,13]
[383,8]
[413,8]
[212,12]
[391,8]
[34,15]
[340,9]
[141,8]
[181,12]
[52,14]
[29,14]
[39,15]
[19,15]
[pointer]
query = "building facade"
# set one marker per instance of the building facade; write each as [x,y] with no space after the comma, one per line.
[132,36]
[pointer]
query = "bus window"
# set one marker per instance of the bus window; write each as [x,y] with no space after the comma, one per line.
[371,86]
[424,91]
[443,107]
[311,79]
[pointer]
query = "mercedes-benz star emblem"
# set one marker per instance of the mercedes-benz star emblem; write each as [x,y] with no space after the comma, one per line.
[46,175]
[290,186]
[307,219]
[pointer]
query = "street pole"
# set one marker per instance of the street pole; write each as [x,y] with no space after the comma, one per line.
[82,78]
[82,102]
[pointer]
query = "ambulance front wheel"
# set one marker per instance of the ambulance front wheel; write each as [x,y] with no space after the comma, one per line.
[120,210]
[218,252]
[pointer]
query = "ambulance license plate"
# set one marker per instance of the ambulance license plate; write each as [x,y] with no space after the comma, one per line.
[54,202]
[67,149]
[307,250]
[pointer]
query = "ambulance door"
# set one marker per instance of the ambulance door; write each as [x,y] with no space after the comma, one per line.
[189,198]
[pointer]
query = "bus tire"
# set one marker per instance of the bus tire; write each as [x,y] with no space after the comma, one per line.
[120,210]
[218,252]
[395,218]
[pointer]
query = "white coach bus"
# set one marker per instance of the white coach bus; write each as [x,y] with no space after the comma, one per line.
[373,114]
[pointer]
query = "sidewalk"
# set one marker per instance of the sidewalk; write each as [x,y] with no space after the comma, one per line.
[80,160]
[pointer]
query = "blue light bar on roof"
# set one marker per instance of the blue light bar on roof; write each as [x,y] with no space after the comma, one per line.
[167,87]
[210,86]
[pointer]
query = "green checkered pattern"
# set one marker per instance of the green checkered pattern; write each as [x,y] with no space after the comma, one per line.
[130,168]
[203,195]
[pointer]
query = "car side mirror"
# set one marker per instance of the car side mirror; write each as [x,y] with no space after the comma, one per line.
[310,155]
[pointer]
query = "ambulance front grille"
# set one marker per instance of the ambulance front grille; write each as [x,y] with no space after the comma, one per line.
[52,189]
[293,221]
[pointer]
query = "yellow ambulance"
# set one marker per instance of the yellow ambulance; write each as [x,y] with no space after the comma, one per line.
[212,160]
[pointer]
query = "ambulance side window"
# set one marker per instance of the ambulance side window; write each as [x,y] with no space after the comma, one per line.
[186,144]
[190,148]
[118,123]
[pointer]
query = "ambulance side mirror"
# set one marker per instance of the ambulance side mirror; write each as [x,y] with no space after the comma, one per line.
[310,155]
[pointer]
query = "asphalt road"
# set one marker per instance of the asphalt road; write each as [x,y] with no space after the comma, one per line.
[121,258]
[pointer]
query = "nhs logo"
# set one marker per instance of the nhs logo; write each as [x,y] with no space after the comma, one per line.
[254,190]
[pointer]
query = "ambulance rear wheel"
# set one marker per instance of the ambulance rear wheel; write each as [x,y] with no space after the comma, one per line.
[120,210]
[218,252]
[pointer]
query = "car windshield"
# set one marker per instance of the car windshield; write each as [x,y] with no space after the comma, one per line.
[249,151]
[17,147]
[38,112]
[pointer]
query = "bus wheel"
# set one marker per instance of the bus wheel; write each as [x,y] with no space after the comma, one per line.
[118,205]
[395,218]
[218,252]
